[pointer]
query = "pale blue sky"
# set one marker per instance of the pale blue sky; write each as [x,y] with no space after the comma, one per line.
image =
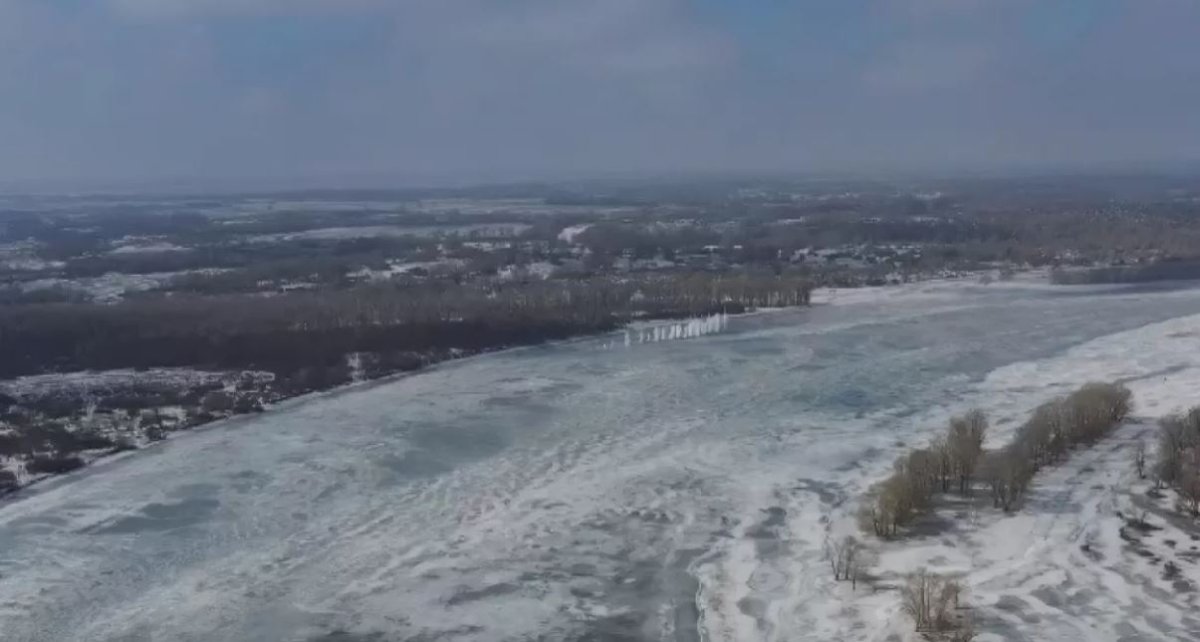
[411,89]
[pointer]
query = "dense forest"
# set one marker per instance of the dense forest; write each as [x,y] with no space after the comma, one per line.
[399,326]
[1170,270]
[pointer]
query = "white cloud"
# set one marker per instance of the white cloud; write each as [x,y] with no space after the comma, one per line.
[615,35]
[924,66]
[208,8]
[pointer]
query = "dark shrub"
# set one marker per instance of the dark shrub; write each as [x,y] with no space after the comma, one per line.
[54,465]
[49,437]
[123,444]
[156,432]
[247,404]
[57,405]
[133,401]
[11,444]
[91,441]
[217,401]
[313,378]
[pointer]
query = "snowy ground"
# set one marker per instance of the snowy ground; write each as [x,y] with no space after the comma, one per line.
[144,245]
[372,231]
[667,490]
[113,286]
[1059,568]
[96,382]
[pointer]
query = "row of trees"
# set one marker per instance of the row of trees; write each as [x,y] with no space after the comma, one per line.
[955,461]
[1080,418]
[949,463]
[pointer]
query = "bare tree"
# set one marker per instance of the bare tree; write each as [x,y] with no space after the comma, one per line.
[1178,462]
[1173,440]
[917,598]
[896,501]
[965,442]
[848,559]
[1188,487]
[1139,459]
[1038,433]
[1095,409]
[835,554]
[964,630]
[859,564]
[872,517]
[1008,472]
[933,601]
[921,474]
[945,462]
[1056,419]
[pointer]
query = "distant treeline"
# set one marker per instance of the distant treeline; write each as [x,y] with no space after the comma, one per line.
[1160,271]
[397,325]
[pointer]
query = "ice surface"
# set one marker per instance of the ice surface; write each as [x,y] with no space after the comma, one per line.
[597,490]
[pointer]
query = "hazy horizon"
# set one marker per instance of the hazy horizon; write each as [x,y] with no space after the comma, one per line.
[416,93]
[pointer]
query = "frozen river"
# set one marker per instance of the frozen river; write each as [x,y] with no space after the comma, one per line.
[586,491]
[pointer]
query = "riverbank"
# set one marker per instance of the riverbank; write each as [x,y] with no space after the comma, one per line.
[55,424]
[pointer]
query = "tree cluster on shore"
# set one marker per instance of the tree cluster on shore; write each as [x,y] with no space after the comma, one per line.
[1078,419]
[948,464]
[954,462]
[957,462]
[1178,465]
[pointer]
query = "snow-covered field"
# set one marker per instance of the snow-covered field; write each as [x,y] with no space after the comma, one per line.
[372,231]
[112,287]
[95,382]
[667,490]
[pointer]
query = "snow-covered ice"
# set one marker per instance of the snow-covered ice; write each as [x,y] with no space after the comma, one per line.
[675,489]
